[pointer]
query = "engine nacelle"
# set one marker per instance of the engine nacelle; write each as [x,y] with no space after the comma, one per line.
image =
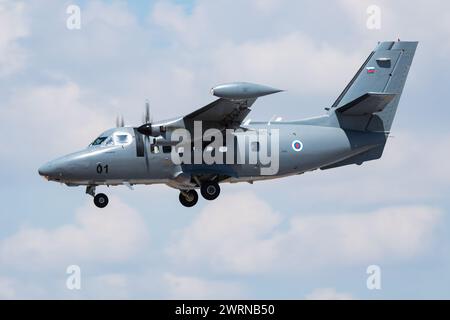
[242,91]
[151,130]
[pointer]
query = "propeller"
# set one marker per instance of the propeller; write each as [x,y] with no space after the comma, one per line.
[120,122]
[155,132]
[146,131]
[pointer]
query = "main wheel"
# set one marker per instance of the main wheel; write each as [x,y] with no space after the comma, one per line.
[189,198]
[101,200]
[210,190]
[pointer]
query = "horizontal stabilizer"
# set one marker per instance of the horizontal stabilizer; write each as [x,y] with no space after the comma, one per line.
[366,104]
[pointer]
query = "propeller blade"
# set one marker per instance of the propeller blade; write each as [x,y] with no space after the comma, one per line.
[147,112]
[146,131]
[147,147]
[120,122]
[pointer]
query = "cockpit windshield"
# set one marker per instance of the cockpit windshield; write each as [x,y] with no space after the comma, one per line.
[114,139]
[98,141]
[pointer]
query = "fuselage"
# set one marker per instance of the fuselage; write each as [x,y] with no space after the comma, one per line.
[117,160]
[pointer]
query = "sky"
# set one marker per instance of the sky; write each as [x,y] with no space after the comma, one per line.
[305,237]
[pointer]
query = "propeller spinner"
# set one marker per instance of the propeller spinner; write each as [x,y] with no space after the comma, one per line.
[147,129]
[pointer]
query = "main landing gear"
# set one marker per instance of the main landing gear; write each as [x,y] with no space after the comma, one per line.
[189,198]
[100,200]
[209,190]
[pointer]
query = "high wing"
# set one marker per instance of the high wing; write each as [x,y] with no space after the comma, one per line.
[233,106]
[225,113]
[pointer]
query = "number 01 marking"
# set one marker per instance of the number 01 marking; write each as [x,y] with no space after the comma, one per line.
[101,168]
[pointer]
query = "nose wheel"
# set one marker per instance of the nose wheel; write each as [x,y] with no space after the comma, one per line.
[100,200]
[188,198]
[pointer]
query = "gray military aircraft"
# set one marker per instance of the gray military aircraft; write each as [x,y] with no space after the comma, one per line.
[354,130]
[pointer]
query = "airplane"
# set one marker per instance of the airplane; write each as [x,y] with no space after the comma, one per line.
[354,130]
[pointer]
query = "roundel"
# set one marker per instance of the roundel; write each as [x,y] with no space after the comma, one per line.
[297,145]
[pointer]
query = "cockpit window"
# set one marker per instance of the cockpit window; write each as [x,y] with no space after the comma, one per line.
[114,139]
[98,141]
[109,142]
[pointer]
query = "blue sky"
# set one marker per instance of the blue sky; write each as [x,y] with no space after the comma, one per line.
[311,236]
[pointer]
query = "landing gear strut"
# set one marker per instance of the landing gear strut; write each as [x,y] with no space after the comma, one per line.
[210,190]
[189,198]
[100,200]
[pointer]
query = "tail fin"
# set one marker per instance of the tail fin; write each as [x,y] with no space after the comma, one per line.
[370,100]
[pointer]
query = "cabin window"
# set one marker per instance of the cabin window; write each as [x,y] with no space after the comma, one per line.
[167,149]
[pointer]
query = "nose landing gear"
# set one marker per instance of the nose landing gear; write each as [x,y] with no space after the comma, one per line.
[100,200]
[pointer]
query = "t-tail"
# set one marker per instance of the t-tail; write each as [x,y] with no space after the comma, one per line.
[369,102]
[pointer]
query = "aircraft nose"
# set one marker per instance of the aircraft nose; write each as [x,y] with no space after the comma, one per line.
[52,170]
[46,170]
[64,169]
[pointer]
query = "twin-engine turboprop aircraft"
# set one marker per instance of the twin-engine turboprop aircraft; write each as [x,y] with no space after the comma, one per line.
[214,144]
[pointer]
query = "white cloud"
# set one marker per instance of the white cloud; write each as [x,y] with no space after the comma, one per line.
[269,6]
[185,287]
[229,234]
[109,286]
[13,27]
[328,294]
[291,60]
[7,288]
[241,234]
[294,62]
[56,118]
[394,233]
[172,17]
[113,235]
[426,21]
[104,35]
